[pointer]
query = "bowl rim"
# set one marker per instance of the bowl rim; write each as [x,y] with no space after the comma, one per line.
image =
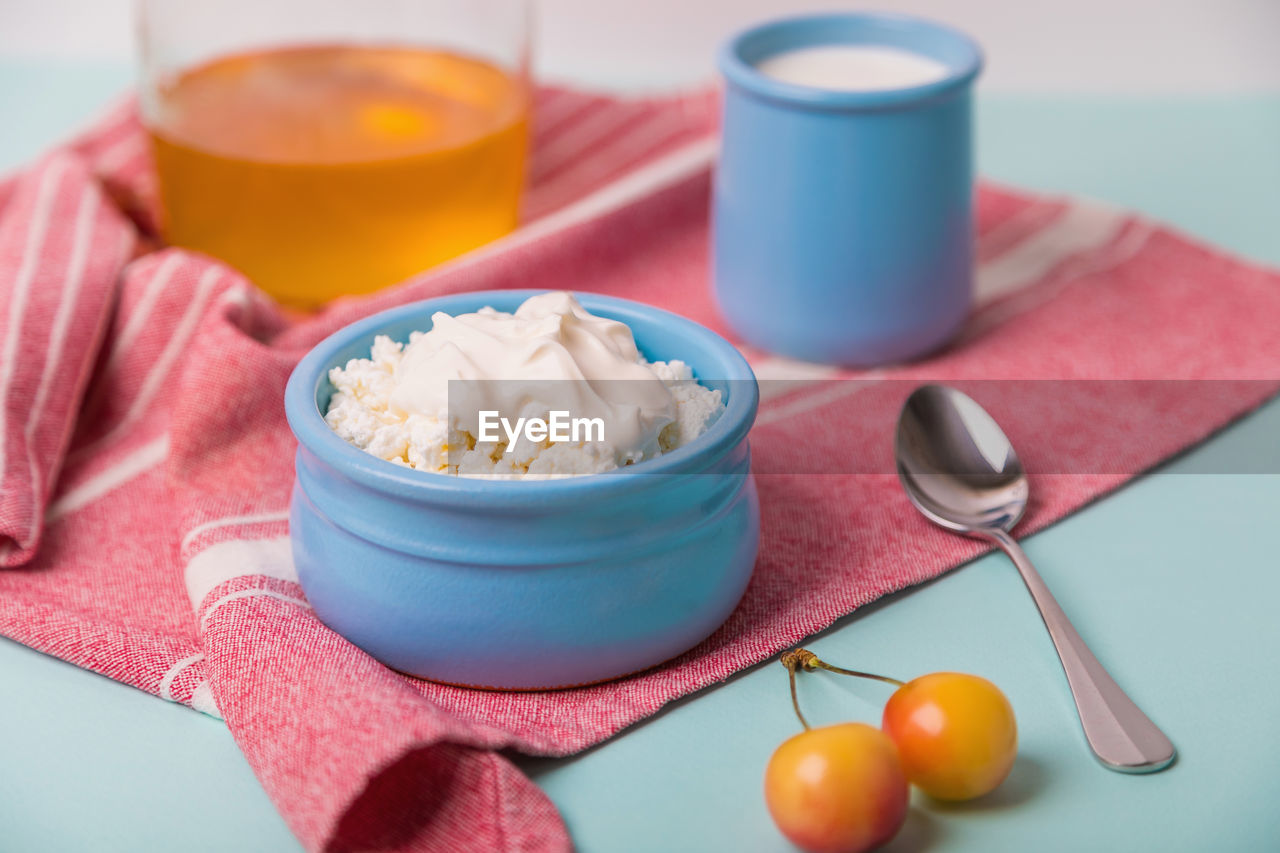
[315,435]
[807,29]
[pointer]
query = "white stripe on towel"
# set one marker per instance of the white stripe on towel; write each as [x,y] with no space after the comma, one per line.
[166,684]
[129,466]
[57,343]
[46,193]
[232,520]
[224,561]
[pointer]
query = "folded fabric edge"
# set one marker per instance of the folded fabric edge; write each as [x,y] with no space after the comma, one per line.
[424,798]
[60,301]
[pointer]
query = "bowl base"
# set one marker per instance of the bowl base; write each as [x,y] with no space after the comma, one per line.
[490,688]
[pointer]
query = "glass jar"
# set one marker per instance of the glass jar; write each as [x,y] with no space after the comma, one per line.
[325,147]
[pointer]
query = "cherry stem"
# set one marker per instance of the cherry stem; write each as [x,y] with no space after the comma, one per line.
[795,703]
[808,661]
[886,679]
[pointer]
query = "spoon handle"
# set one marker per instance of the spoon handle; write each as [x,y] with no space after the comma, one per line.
[1121,736]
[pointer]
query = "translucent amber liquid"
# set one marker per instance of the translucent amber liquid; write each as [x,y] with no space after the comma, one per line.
[322,171]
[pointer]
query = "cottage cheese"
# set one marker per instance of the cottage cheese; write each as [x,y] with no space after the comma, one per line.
[549,354]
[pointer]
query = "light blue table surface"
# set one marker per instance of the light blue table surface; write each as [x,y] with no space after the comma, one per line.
[1174,580]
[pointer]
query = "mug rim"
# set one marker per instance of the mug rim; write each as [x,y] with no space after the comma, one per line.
[739,68]
[314,434]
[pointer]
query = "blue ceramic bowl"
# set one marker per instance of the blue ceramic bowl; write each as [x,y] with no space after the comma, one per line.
[526,585]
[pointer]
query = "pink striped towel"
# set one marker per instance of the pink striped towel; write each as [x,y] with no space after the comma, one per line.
[146,464]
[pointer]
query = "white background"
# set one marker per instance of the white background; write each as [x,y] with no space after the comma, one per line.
[1043,46]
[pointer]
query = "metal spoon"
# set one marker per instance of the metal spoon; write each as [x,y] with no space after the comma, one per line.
[960,470]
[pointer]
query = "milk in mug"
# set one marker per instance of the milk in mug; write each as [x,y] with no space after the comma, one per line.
[852,68]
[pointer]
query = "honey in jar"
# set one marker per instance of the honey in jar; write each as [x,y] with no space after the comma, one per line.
[328,170]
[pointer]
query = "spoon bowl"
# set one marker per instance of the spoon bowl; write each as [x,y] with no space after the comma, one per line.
[956,464]
[961,471]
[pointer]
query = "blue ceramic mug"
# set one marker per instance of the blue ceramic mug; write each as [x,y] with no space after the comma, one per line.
[843,220]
